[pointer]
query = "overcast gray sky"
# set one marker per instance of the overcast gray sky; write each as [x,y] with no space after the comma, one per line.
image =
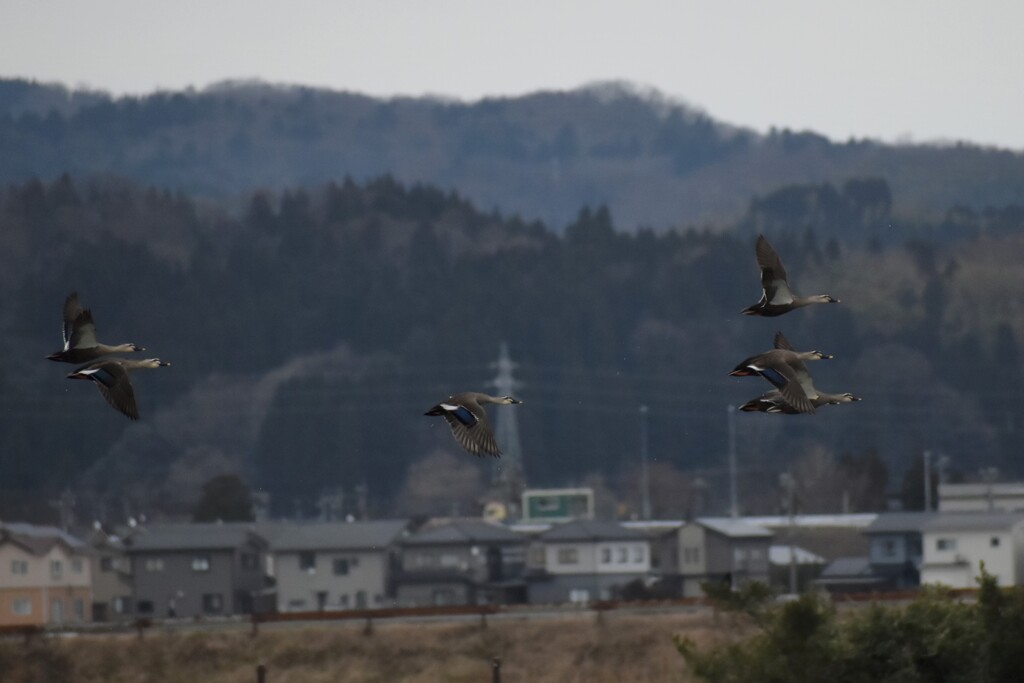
[887,69]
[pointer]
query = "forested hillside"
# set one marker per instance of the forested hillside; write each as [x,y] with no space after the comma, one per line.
[654,162]
[310,329]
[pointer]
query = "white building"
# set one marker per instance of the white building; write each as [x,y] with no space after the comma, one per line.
[586,560]
[956,544]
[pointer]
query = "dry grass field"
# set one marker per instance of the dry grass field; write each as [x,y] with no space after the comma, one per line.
[621,647]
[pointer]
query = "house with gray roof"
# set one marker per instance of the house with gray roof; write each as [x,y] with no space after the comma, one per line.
[722,549]
[461,562]
[849,575]
[195,570]
[585,560]
[897,548]
[334,565]
[957,543]
[791,564]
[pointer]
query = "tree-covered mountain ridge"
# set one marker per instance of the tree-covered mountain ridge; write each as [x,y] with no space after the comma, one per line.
[652,160]
[309,330]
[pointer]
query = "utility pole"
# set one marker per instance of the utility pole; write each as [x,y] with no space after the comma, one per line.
[734,503]
[989,476]
[65,505]
[927,455]
[789,484]
[942,463]
[509,474]
[645,477]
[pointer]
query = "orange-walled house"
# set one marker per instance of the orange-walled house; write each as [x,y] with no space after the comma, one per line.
[45,577]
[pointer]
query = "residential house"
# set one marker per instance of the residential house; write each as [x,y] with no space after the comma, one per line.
[461,562]
[335,565]
[722,549]
[663,535]
[849,575]
[45,577]
[111,575]
[956,544]
[585,560]
[791,566]
[193,570]
[896,549]
[828,535]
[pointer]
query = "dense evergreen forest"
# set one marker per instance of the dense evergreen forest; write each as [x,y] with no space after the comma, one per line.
[309,329]
[652,161]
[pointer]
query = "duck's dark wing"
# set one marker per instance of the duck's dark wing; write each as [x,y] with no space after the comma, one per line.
[773,274]
[469,424]
[788,377]
[782,343]
[113,382]
[477,438]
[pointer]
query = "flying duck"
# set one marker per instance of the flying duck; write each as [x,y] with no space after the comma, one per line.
[111,378]
[785,369]
[773,402]
[80,345]
[777,298]
[470,426]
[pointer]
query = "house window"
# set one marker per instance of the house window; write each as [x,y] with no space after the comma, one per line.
[360,599]
[145,606]
[307,562]
[606,555]
[638,554]
[343,601]
[443,596]
[623,554]
[250,561]
[945,544]
[19,567]
[21,606]
[106,564]
[888,548]
[201,563]
[56,569]
[568,556]
[76,565]
[154,564]
[122,605]
[340,567]
[79,609]
[213,603]
[994,542]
